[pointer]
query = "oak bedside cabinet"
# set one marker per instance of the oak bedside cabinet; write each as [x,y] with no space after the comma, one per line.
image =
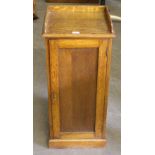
[78,43]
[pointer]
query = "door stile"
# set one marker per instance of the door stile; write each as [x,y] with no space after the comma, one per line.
[55,89]
[102,61]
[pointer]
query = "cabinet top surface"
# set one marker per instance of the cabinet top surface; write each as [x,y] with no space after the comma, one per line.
[77,21]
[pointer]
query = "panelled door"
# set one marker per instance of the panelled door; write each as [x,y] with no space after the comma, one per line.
[78,83]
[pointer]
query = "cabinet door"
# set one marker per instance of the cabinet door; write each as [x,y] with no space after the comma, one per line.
[78,79]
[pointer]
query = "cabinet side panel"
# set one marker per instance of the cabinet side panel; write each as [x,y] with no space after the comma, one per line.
[109,50]
[49,88]
[77,88]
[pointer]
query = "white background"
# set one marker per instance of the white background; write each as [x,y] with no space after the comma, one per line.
[138,77]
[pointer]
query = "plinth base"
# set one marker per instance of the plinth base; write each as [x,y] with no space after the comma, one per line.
[76,143]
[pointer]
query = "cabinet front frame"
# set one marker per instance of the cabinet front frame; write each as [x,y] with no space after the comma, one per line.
[52,46]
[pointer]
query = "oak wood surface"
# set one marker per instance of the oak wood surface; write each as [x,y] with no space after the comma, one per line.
[54,89]
[78,43]
[77,135]
[107,79]
[100,88]
[78,71]
[74,143]
[77,83]
[73,1]
[49,86]
[77,21]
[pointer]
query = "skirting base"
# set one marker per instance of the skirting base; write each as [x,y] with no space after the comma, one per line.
[76,143]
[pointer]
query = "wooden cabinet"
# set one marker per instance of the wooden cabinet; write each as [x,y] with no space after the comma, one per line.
[78,43]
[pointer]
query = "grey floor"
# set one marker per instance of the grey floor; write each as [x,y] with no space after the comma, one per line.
[40,117]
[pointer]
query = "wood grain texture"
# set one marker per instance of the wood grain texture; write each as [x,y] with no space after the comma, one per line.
[76,143]
[65,87]
[89,21]
[101,88]
[73,1]
[54,89]
[77,83]
[109,21]
[78,72]
[78,43]
[108,67]
[77,135]
[49,86]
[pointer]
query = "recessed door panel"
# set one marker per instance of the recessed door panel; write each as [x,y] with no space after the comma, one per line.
[77,72]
